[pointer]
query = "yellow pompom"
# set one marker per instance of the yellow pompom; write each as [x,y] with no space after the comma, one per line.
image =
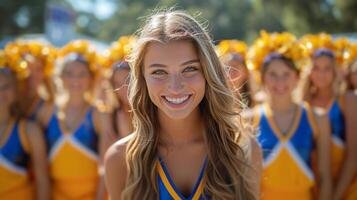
[232,46]
[350,53]
[310,43]
[83,48]
[17,50]
[282,43]
[118,51]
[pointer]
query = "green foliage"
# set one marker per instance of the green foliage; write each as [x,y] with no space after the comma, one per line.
[240,19]
[21,16]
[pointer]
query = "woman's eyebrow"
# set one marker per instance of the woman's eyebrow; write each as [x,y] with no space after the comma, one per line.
[184,63]
[157,65]
[190,62]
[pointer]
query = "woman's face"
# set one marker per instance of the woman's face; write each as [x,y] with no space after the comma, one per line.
[76,78]
[120,84]
[174,78]
[37,74]
[322,73]
[7,91]
[279,79]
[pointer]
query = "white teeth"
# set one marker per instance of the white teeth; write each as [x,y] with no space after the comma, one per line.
[176,100]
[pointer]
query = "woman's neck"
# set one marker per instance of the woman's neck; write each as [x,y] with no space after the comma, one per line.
[326,93]
[181,132]
[281,104]
[75,102]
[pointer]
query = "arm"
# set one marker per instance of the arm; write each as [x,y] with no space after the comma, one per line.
[115,169]
[324,154]
[39,160]
[44,115]
[349,167]
[104,131]
[255,161]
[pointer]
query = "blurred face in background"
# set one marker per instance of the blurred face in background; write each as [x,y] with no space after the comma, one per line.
[76,77]
[37,75]
[237,71]
[322,73]
[120,81]
[7,90]
[279,79]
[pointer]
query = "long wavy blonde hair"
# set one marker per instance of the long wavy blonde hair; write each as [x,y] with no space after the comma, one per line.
[227,143]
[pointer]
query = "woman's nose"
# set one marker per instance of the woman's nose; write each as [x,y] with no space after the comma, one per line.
[175,83]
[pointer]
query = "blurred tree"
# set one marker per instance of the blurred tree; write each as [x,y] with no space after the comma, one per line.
[21,16]
[346,13]
[240,19]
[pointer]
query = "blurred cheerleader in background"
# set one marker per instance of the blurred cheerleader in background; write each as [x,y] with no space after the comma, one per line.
[75,133]
[23,165]
[37,62]
[346,187]
[233,55]
[322,90]
[116,101]
[289,134]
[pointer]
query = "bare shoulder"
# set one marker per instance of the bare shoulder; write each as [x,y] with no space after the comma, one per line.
[256,156]
[254,159]
[115,157]
[115,169]
[116,152]
[252,151]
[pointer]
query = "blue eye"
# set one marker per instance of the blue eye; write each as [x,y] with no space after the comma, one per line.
[190,69]
[158,72]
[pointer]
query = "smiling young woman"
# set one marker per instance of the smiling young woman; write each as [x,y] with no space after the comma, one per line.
[188,141]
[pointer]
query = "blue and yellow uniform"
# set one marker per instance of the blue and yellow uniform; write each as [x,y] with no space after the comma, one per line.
[168,189]
[15,182]
[73,160]
[287,170]
[336,117]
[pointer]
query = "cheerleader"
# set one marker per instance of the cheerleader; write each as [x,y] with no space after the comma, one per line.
[321,91]
[22,147]
[121,117]
[288,132]
[36,87]
[346,187]
[233,53]
[114,58]
[74,132]
[183,111]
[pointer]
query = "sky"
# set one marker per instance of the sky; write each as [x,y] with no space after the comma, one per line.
[103,9]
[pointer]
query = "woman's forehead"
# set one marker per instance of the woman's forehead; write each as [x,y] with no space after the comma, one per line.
[171,53]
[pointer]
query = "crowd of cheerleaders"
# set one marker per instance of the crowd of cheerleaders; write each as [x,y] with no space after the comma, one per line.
[62,118]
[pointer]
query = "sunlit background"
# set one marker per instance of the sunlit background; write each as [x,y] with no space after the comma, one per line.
[103,21]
